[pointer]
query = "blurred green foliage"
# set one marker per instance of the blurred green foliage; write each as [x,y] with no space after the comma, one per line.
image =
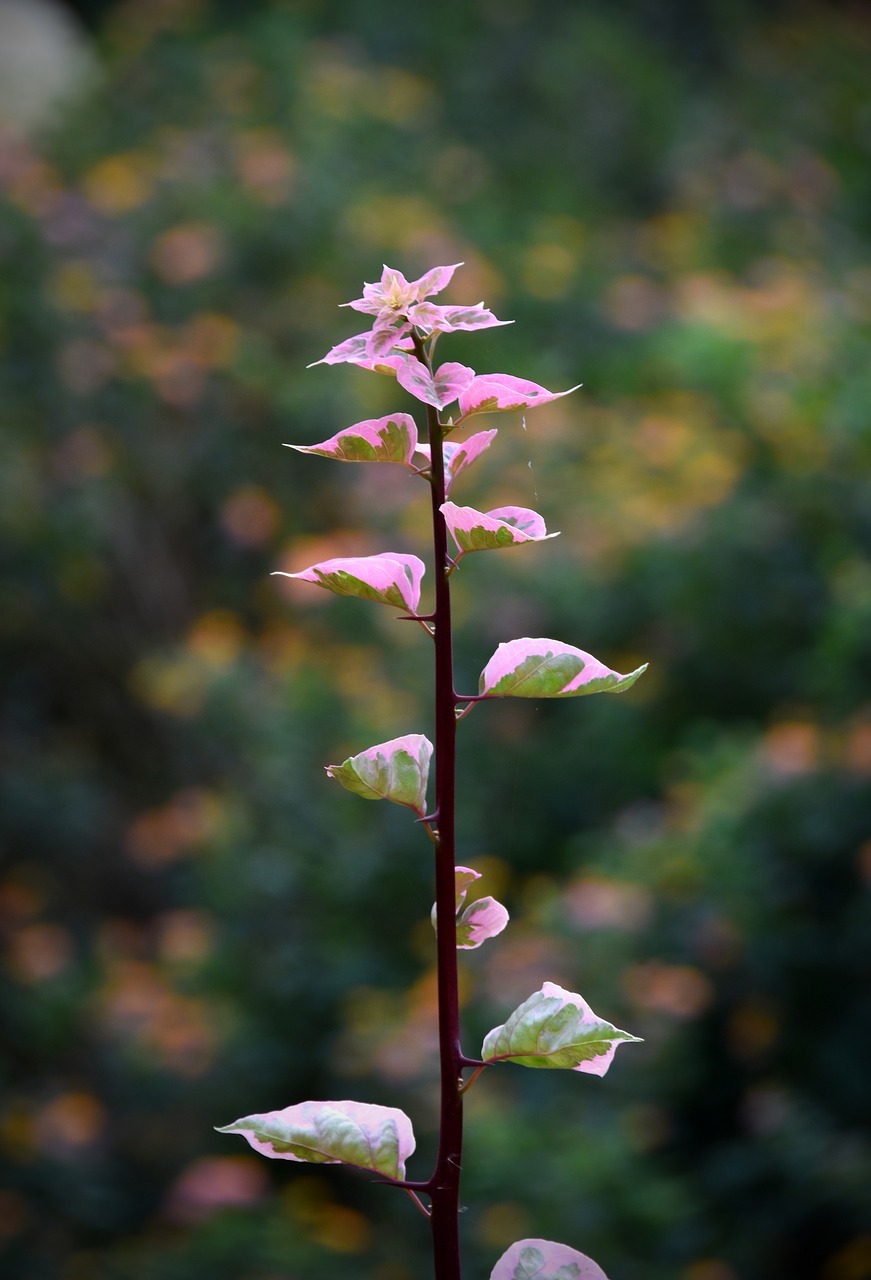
[673,204]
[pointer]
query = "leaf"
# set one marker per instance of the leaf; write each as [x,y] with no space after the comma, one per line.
[491,392]
[387,332]
[394,293]
[438,389]
[545,1260]
[430,319]
[396,770]
[555,1028]
[487,530]
[549,669]
[482,919]
[356,1133]
[459,455]
[356,350]
[352,351]
[464,878]
[390,578]
[389,439]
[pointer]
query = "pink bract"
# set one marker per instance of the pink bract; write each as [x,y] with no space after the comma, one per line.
[394,293]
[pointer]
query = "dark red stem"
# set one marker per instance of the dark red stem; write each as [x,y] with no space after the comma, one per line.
[444,1186]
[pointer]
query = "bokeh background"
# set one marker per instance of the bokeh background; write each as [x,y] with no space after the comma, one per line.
[673,202]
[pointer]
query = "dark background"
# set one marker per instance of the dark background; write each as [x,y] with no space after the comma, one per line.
[673,204]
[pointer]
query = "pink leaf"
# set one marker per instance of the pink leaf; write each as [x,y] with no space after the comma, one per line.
[487,530]
[482,919]
[385,335]
[396,770]
[439,389]
[389,439]
[356,351]
[352,351]
[356,1133]
[394,293]
[545,1260]
[464,878]
[555,1028]
[549,669]
[459,455]
[390,578]
[500,391]
[429,318]
[436,279]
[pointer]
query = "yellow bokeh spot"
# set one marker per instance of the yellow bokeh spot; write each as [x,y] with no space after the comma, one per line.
[709,1269]
[174,683]
[333,1225]
[74,287]
[217,637]
[548,269]
[500,1224]
[120,183]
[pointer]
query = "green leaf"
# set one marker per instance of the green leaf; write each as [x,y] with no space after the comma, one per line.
[555,1028]
[356,1133]
[397,770]
[543,668]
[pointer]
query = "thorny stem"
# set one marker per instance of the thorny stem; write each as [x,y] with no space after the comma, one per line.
[444,1185]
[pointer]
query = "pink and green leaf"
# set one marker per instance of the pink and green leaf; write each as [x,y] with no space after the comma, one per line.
[555,1028]
[545,1260]
[429,318]
[389,439]
[397,770]
[361,1134]
[438,389]
[389,578]
[500,392]
[460,454]
[481,919]
[544,668]
[487,530]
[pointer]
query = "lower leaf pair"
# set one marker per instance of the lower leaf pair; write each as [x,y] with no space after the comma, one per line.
[553,1028]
